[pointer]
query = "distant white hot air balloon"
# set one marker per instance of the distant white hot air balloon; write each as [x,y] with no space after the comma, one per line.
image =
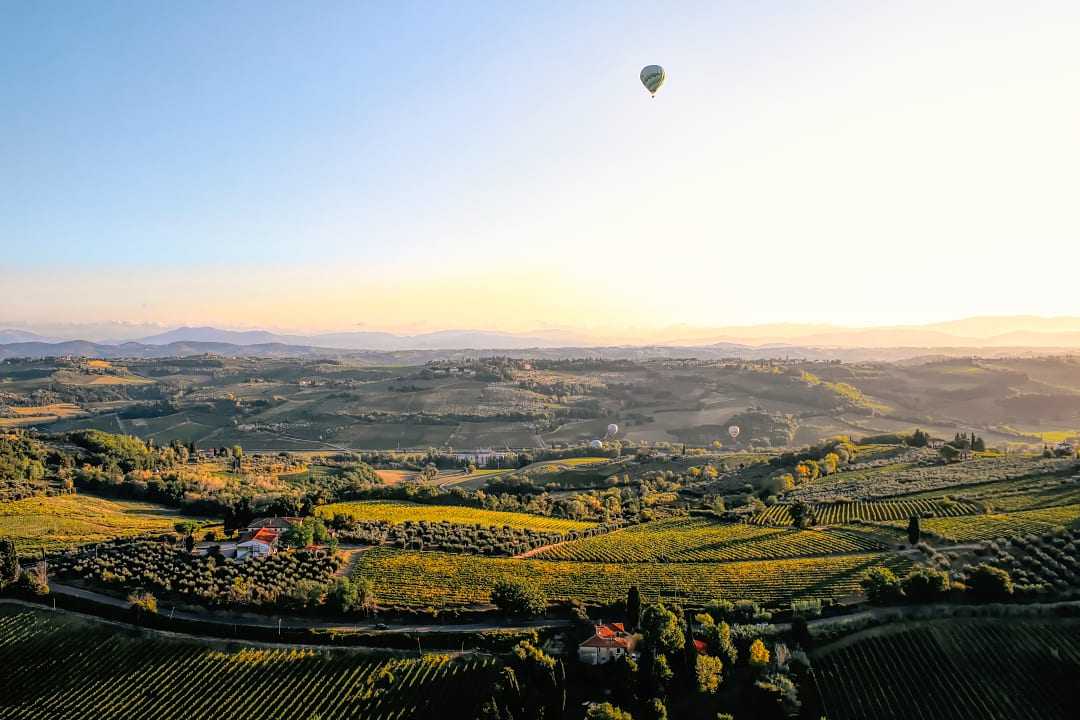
[596,445]
[734,431]
[612,430]
[652,77]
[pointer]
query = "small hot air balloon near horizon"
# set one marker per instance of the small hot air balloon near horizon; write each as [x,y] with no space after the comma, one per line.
[596,445]
[612,430]
[652,77]
[734,431]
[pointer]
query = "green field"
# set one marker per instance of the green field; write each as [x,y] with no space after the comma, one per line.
[700,539]
[968,669]
[59,667]
[398,512]
[64,521]
[989,527]
[422,579]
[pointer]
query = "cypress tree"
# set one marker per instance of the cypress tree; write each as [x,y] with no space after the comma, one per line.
[633,608]
[914,531]
[9,563]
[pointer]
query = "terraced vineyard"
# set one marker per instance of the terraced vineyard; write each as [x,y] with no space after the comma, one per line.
[65,521]
[423,579]
[883,482]
[957,668]
[57,667]
[838,513]
[988,527]
[399,512]
[701,539]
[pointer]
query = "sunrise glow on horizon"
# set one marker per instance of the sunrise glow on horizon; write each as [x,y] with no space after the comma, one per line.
[410,168]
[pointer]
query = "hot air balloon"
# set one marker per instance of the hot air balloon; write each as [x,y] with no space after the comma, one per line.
[734,431]
[612,430]
[596,445]
[652,77]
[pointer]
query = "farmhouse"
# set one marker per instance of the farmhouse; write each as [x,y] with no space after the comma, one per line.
[609,641]
[263,542]
[280,524]
[262,535]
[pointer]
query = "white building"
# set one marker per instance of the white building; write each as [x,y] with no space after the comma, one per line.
[609,642]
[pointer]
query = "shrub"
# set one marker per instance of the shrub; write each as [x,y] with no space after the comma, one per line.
[34,581]
[519,599]
[881,586]
[925,584]
[143,603]
[987,582]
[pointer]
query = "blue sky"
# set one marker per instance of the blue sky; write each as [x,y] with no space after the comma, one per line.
[424,165]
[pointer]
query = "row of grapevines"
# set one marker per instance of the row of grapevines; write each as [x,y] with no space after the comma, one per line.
[701,539]
[989,527]
[964,669]
[838,513]
[423,579]
[55,667]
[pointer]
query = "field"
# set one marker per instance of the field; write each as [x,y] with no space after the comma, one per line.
[988,527]
[64,521]
[40,414]
[57,667]
[934,480]
[837,513]
[964,669]
[422,579]
[398,512]
[699,539]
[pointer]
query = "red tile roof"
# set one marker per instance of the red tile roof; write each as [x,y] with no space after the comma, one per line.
[610,635]
[278,523]
[608,642]
[265,535]
[610,629]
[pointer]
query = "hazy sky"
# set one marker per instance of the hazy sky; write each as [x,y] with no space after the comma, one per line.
[418,166]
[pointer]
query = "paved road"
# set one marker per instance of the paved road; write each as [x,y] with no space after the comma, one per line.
[287,623]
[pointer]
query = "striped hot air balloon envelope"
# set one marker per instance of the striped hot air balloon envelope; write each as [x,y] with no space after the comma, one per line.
[652,77]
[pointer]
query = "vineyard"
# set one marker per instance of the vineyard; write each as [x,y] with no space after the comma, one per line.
[398,512]
[903,480]
[65,521]
[55,667]
[839,513]
[989,527]
[701,539]
[963,669]
[432,579]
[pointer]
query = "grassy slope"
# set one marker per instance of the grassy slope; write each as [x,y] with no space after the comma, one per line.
[422,579]
[68,520]
[698,539]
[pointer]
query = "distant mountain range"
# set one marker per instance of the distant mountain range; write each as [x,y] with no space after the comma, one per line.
[360,340]
[418,356]
[983,335]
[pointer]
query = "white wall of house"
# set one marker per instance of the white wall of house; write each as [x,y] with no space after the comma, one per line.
[255,548]
[599,656]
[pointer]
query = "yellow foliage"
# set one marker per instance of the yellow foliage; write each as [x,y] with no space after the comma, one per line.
[759,654]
